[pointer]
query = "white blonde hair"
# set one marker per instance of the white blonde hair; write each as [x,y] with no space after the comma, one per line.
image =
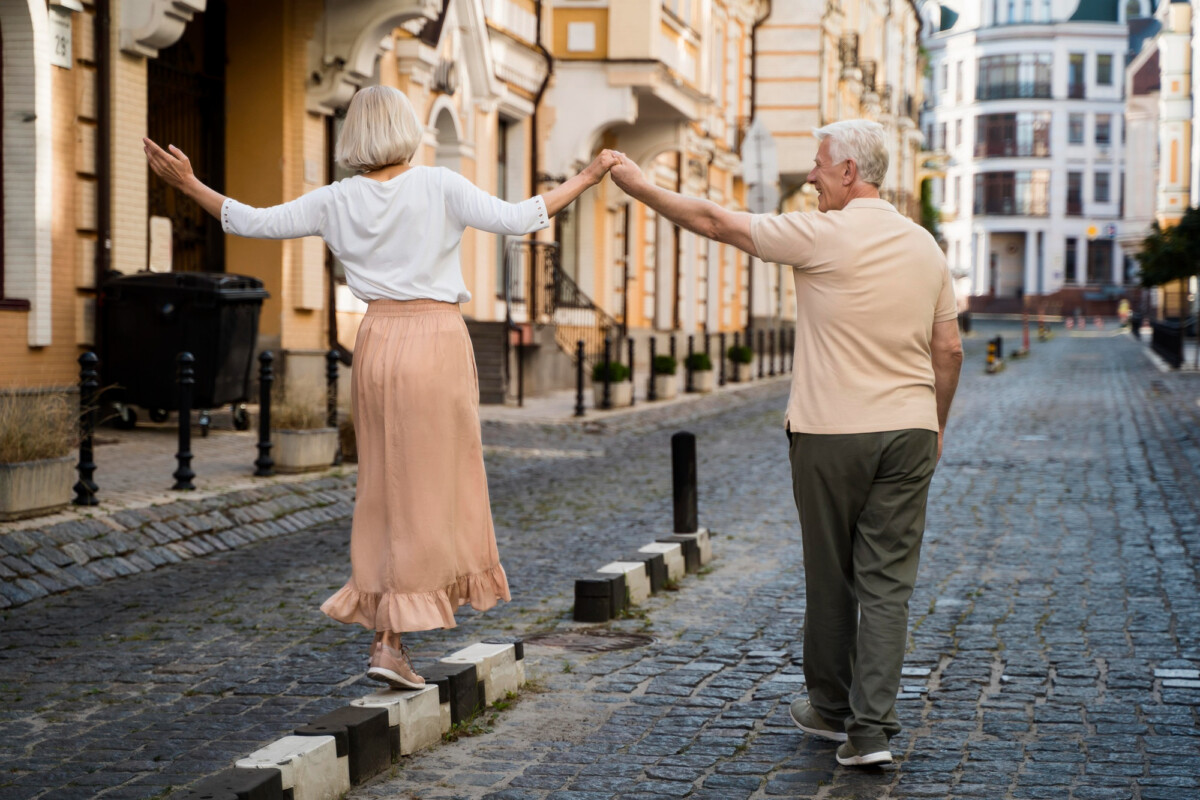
[861,141]
[381,129]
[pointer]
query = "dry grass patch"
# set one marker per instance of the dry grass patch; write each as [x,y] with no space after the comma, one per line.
[34,428]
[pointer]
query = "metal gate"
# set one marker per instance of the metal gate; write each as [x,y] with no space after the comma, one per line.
[187,109]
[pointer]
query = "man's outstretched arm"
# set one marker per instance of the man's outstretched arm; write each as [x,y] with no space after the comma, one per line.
[697,215]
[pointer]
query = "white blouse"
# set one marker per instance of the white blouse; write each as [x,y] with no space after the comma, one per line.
[398,239]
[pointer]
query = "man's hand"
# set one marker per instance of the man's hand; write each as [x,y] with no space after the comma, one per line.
[626,174]
[941,435]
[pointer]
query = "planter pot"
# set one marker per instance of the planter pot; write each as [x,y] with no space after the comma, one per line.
[704,381]
[33,488]
[743,373]
[302,451]
[666,386]
[619,394]
[348,442]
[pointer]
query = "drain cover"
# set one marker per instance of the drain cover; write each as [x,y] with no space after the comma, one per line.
[594,641]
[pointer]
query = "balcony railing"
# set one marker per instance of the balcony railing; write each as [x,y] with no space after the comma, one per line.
[1075,91]
[1011,149]
[1008,91]
[1074,208]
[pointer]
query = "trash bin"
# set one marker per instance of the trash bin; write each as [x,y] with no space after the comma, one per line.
[149,318]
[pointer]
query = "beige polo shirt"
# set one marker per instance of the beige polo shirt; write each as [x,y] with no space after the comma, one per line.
[870,283]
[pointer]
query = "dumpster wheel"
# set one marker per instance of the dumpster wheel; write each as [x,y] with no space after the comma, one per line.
[159,415]
[241,417]
[125,419]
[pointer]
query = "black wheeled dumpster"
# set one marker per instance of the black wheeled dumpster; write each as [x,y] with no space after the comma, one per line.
[149,318]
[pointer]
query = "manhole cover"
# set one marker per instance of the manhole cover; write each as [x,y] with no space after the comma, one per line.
[597,641]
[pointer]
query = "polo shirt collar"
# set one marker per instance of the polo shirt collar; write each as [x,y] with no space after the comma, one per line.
[870,202]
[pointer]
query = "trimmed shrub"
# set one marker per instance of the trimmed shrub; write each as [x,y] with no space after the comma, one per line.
[664,365]
[741,354]
[699,362]
[617,372]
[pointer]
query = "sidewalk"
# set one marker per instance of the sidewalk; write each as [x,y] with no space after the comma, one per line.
[1054,654]
[141,524]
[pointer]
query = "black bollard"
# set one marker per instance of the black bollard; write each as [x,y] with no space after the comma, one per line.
[721,348]
[86,488]
[651,392]
[683,478]
[688,366]
[737,343]
[708,344]
[672,351]
[606,398]
[771,352]
[579,378]
[331,400]
[264,465]
[187,380]
[1000,347]
[761,354]
[632,385]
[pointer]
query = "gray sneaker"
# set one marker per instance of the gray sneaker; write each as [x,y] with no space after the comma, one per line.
[809,721]
[849,756]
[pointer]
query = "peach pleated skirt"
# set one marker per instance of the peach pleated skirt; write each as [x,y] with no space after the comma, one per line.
[422,542]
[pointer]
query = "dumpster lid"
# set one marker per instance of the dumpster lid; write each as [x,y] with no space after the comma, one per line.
[209,282]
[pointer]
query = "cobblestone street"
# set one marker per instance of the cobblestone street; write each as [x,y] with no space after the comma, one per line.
[1055,649]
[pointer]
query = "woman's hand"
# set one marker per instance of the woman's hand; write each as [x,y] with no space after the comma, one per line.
[173,167]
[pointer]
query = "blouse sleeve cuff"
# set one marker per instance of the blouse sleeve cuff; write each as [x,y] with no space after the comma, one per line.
[227,211]
[541,219]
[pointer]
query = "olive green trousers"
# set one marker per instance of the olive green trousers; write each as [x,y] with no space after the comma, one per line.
[861,499]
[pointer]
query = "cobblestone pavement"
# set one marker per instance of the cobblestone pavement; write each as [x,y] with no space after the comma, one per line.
[1055,627]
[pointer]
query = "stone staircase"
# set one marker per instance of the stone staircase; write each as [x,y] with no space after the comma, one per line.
[488,340]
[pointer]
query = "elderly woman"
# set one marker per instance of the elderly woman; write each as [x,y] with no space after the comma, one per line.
[422,542]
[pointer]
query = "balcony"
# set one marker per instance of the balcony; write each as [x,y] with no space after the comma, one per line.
[1076,91]
[1014,90]
[1012,149]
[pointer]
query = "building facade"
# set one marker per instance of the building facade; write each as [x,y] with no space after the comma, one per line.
[1028,107]
[816,63]
[514,94]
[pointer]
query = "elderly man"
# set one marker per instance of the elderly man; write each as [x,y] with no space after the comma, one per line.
[877,360]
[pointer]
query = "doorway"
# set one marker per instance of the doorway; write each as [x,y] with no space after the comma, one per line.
[186,95]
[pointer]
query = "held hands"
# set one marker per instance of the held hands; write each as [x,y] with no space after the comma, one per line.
[624,172]
[595,172]
[173,166]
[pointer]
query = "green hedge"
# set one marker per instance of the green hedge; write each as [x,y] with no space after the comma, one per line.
[699,362]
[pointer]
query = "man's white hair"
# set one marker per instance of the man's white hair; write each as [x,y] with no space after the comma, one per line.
[860,140]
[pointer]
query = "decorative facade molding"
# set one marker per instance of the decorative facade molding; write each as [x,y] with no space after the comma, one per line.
[148,26]
[346,44]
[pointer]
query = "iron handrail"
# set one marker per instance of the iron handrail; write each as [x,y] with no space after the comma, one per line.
[534,279]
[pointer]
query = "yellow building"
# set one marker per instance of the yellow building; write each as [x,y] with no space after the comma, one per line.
[515,94]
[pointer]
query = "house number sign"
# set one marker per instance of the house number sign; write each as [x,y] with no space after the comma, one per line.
[60,37]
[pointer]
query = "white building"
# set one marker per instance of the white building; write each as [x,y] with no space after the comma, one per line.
[1027,102]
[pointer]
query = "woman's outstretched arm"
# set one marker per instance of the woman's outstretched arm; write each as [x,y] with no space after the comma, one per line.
[175,168]
[475,208]
[303,216]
